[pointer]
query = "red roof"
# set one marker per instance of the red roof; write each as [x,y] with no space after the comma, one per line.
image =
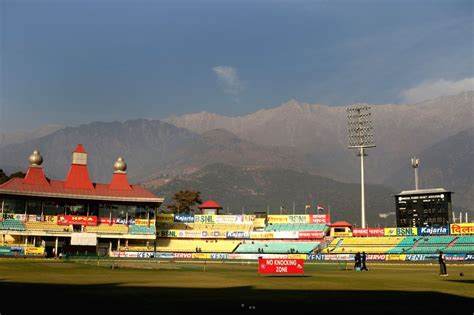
[210,204]
[35,176]
[57,189]
[119,182]
[77,186]
[341,224]
[78,177]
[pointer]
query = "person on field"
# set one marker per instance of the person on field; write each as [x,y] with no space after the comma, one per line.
[442,265]
[364,258]
[357,259]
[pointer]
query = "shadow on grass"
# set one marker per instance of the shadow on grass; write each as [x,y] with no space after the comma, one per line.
[463,281]
[116,299]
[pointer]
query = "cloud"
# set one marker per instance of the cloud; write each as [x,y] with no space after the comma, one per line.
[433,89]
[229,79]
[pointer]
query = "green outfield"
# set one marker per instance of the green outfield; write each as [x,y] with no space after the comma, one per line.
[152,287]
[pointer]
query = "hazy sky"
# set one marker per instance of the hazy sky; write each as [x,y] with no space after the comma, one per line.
[73,62]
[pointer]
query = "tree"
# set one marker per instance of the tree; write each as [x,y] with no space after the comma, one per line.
[3,176]
[184,201]
[19,174]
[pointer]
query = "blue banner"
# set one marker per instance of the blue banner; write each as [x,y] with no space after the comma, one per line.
[433,230]
[184,218]
[469,257]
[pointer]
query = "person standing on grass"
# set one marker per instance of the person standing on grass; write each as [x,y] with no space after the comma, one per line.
[442,265]
[364,258]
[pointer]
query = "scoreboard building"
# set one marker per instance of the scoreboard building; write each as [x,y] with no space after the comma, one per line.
[423,207]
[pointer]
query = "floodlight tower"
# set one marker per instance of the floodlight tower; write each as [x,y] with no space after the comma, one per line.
[415,163]
[361,137]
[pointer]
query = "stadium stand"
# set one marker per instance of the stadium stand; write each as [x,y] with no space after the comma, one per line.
[13,225]
[277,247]
[47,226]
[105,228]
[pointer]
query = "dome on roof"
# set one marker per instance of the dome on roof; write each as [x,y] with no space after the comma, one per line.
[35,158]
[120,166]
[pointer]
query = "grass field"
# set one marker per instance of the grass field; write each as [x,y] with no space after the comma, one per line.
[180,288]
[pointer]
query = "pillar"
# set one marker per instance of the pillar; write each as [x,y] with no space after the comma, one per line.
[56,247]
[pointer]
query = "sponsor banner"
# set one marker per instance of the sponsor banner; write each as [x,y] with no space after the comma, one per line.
[128,254]
[420,257]
[288,218]
[319,218]
[297,256]
[342,234]
[5,251]
[261,235]
[184,218]
[368,232]
[376,257]
[183,255]
[20,217]
[298,218]
[315,257]
[144,222]
[164,255]
[286,234]
[248,218]
[145,254]
[360,232]
[310,234]
[229,219]
[51,218]
[189,234]
[130,221]
[376,231]
[275,218]
[219,256]
[167,233]
[34,251]
[400,231]
[33,217]
[205,218]
[469,257]
[462,228]
[281,266]
[237,234]
[84,239]
[455,257]
[344,257]
[165,218]
[397,257]
[106,221]
[77,219]
[201,256]
[433,230]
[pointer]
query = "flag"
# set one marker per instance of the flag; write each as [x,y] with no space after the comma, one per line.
[320,208]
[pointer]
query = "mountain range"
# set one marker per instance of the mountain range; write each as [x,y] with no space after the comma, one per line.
[309,140]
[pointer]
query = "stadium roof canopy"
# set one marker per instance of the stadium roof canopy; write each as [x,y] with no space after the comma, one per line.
[77,184]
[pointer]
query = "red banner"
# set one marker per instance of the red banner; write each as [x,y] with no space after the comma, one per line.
[107,221]
[376,232]
[368,232]
[77,219]
[360,232]
[310,234]
[319,218]
[281,266]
